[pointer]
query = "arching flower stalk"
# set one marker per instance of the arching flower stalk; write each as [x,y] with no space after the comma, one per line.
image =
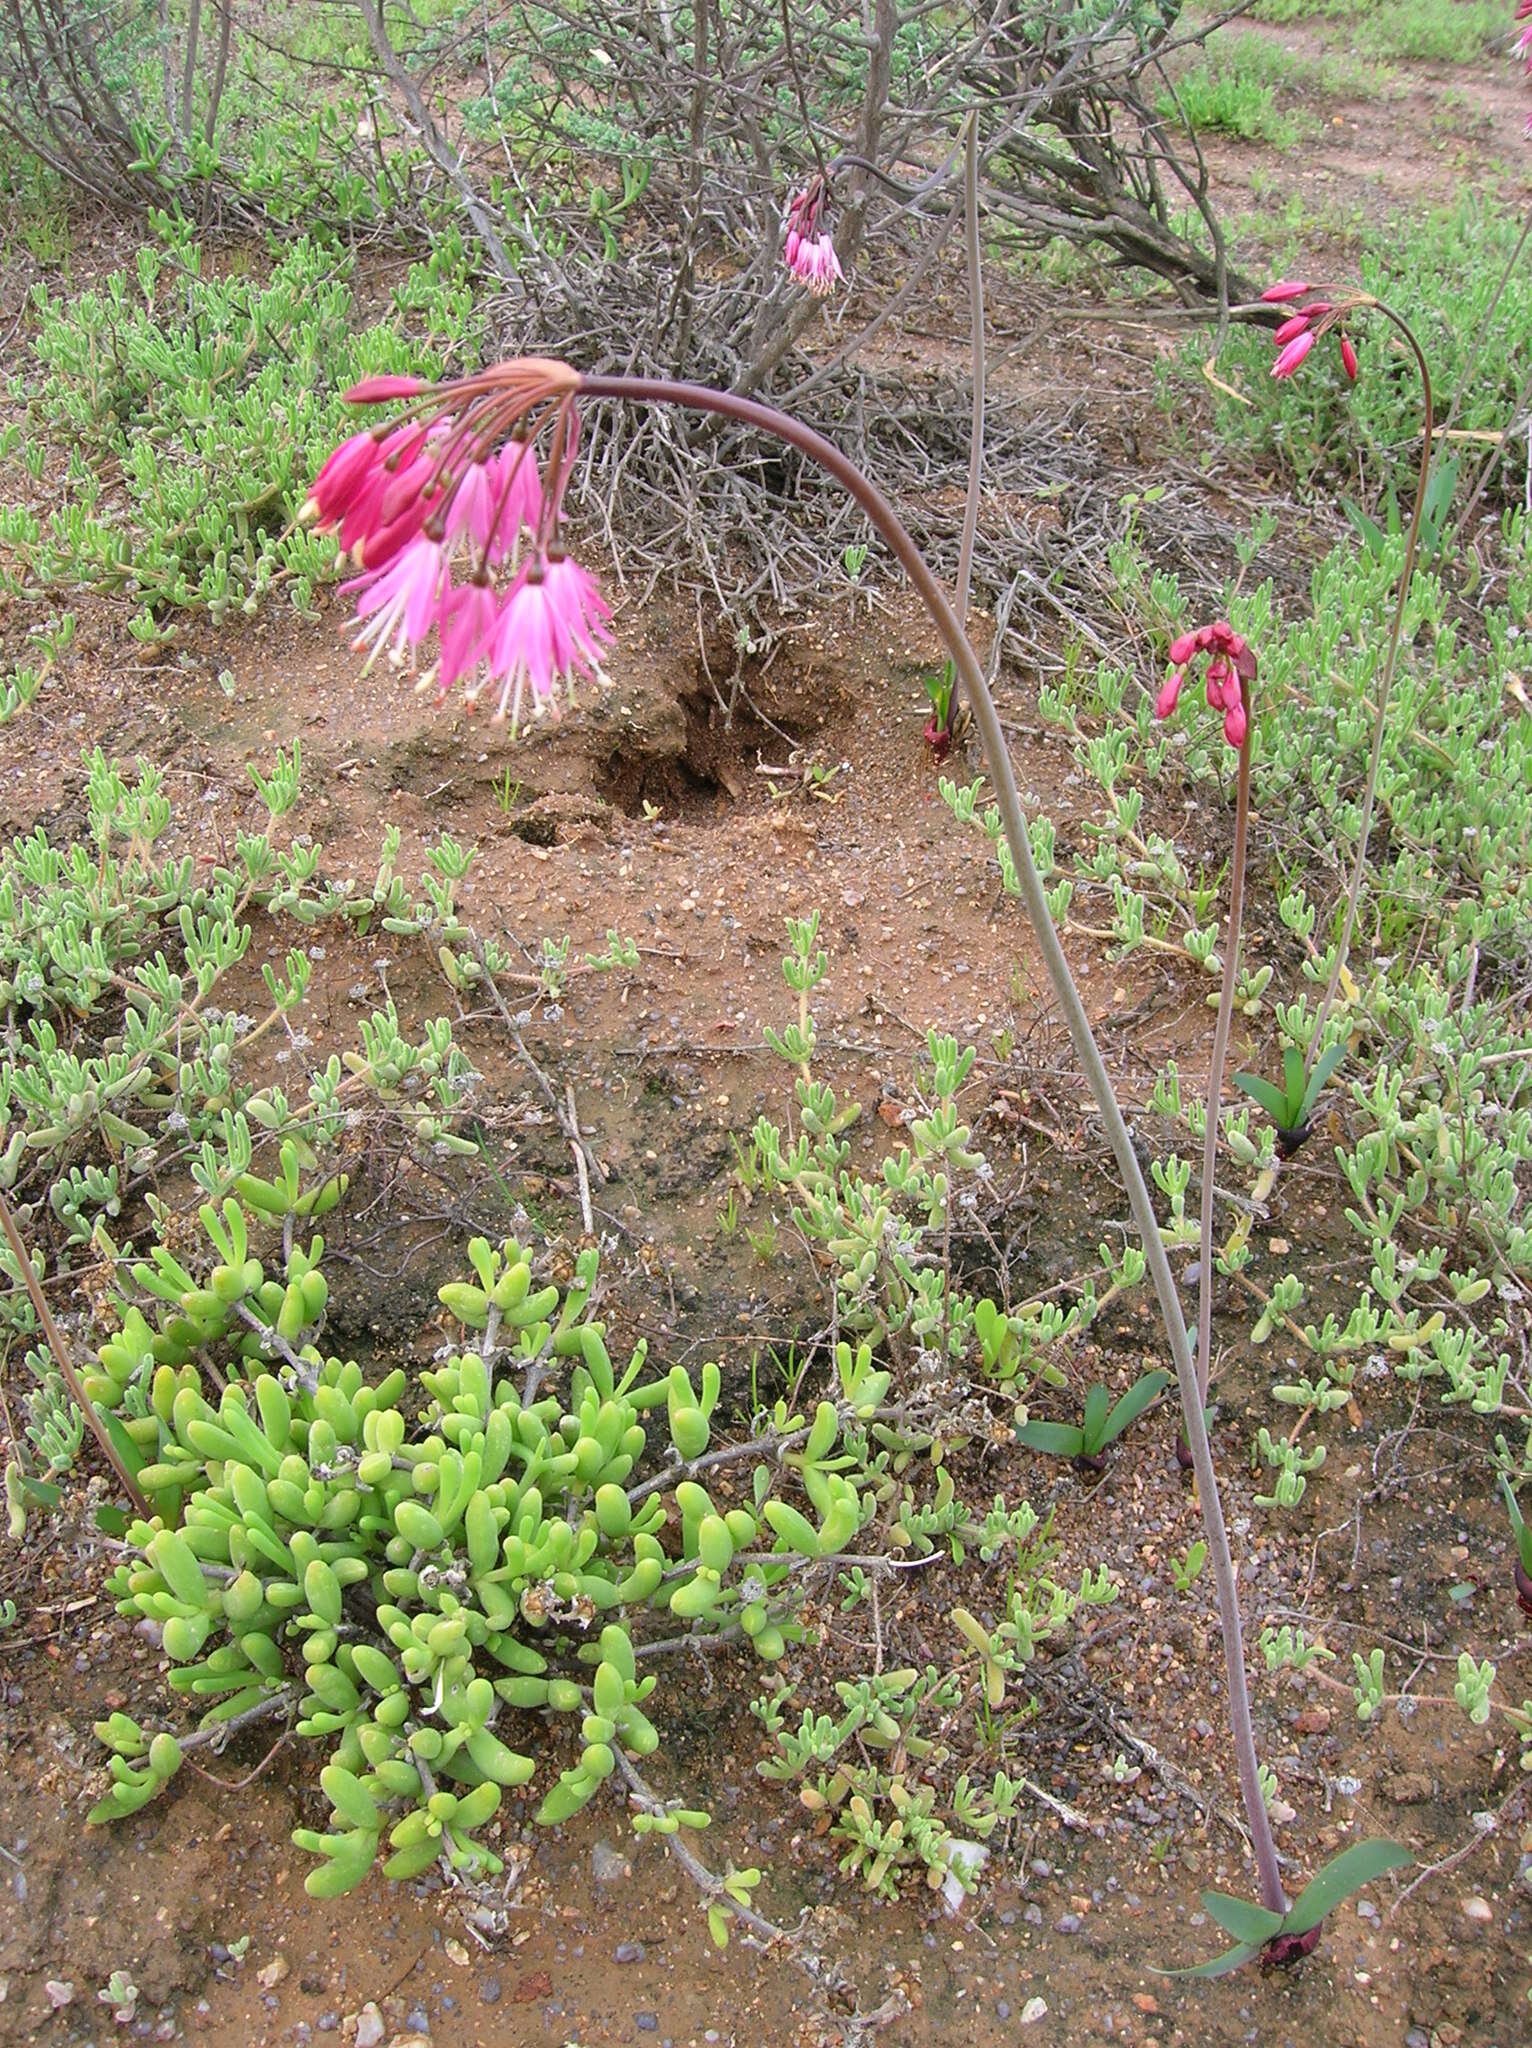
[548,628]
[1231,669]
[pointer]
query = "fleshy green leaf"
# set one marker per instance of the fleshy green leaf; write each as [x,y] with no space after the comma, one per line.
[1134,1402]
[1349,1871]
[1217,1966]
[1058,1439]
[1242,1918]
[1267,1094]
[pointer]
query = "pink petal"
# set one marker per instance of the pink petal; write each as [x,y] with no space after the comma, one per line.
[1290,358]
[1348,357]
[1287,288]
[1170,691]
[1235,725]
[376,390]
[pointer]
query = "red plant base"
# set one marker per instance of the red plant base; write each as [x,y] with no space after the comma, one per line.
[1523,1589]
[939,739]
[1283,1950]
[1183,1454]
[1093,1465]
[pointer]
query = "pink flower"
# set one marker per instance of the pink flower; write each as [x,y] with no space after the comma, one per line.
[375,390]
[807,249]
[1232,667]
[578,612]
[519,495]
[470,616]
[1348,357]
[399,601]
[1293,354]
[453,490]
[523,652]
[1288,288]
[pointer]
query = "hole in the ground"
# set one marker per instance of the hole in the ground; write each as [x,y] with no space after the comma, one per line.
[715,763]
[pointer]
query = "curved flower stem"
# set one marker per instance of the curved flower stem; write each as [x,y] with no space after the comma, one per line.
[881,514]
[1390,662]
[1221,1052]
[976,429]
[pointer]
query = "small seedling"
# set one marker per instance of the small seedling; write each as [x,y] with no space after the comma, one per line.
[1100,1424]
[1291,1106]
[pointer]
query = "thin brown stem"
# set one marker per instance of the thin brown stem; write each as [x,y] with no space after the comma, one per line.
[881,514]
[54,1338]
[1221,1051]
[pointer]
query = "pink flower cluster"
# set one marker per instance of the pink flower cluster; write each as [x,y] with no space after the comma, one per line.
[1304,325]
[1231,669]
[1523,44]
[456,533]
[808,250]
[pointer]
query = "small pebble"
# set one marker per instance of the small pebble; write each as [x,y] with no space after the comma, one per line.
[417,2020]
[1033,1915]
[1034,2010]
[609,1865]
[628,1952]
[489,1991]
[1002,2008]
[1417,2037]
[1068,1923]
[647,2022]
[369,2026]
[327,2022]
[1478,1910]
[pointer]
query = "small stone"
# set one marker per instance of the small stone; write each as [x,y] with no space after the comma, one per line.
[369,2026]
[1480,1911]
[1002,2008]
[489,1991]
[609,1865]
[456,1953]
[628,1952]
[271,1976]
[1417,2037]
[417,2020]
[1034,2010]
[1068,1923]
[1033,1915]
[1312,1721]
[647,2022]
[327,2022]
[411,2040]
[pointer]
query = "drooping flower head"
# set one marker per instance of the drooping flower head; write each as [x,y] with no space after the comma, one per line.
[1230,671]
[1297,334]
[433,505]
[807,249]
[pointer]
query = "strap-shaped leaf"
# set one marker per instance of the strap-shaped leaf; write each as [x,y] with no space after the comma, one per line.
[1266,1093]
[1324,1067]
[1058,1439]
[1097,1402]
[1349,1871]
[1134,1402]
[1216,1966]
[1519,1529]
[1242,1918]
